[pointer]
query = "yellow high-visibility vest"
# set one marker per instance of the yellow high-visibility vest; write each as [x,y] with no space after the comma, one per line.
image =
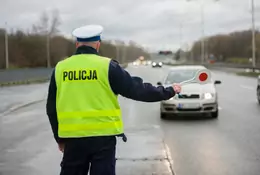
[86,105]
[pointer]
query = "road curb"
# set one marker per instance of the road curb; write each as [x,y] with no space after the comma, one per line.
[21,82]
[169,157]
[17,107]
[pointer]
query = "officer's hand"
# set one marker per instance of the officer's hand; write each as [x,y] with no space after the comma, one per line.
[177,88]
[61,147]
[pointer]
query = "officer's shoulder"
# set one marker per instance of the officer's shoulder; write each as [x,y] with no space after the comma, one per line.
[105,58]
[65,59]
[114,64]
[59,63]
[114,61]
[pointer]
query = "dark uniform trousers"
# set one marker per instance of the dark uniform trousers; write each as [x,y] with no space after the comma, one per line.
[94,154]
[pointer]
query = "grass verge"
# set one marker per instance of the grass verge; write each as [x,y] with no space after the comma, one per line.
[248,74]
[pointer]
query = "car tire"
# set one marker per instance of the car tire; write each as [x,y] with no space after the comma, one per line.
[214,114]
[258,94]
[163,115]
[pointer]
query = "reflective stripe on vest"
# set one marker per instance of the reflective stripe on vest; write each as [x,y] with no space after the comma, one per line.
[86,105]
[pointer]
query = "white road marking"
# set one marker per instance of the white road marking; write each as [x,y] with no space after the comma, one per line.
[11,150]
[156,126]
[247,87]
[169,158]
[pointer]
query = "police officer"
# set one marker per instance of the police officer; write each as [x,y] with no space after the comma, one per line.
[83,109]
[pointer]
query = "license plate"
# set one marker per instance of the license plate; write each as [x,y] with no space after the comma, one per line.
[189,105]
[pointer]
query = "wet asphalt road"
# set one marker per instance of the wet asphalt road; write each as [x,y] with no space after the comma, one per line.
[226,146]
[16,96]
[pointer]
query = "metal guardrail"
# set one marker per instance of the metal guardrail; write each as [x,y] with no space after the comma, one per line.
[27,75]
[221,64]
[24,76]
[232,65]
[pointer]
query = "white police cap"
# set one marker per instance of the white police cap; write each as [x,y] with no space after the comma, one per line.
[88,33]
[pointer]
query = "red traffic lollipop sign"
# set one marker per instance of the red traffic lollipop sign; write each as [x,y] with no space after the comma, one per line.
[203,76]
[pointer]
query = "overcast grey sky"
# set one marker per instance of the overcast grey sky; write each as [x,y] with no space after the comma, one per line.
[152,23]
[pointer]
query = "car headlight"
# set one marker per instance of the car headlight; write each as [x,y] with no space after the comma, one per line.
[208,96]
[160,63]
[154,64]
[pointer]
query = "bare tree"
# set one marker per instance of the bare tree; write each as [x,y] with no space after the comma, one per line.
[55,23]
[48,28]
[33,49]
[43,26]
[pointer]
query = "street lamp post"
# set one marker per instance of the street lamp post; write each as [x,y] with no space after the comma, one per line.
[123,53]
[118,52]
[181,27]
[202,29]
[202,33]
[6,48]
[253,35]
[116,44]
[48,50]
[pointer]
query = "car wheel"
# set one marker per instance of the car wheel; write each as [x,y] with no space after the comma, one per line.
[258,94]
[214,114]
[163,115]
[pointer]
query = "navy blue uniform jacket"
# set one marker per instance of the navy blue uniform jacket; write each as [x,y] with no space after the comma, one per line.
[121,83]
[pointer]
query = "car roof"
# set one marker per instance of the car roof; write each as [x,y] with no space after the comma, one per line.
[185,67]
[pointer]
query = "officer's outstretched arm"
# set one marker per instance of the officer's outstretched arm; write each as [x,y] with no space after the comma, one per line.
[134,88]
[51,107]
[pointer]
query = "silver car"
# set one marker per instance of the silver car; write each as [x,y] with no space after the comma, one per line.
[258,89]
[194,98]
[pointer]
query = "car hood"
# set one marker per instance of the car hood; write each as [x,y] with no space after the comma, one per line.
[198,88]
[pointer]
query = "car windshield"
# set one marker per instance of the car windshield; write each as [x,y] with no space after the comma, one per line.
[178,76]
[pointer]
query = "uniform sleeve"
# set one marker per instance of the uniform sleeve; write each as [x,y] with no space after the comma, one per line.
[123,83]
[51,107]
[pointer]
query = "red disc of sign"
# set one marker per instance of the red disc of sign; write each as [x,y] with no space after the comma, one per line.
[203,77]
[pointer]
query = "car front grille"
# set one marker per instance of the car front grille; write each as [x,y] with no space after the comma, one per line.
[191,96]
[188,110]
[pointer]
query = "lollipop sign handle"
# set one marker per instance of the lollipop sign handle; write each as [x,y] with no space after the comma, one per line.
[187,81]
[202,77]
[179,94]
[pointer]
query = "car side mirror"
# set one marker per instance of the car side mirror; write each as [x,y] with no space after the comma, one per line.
[217,82]
[159,83]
